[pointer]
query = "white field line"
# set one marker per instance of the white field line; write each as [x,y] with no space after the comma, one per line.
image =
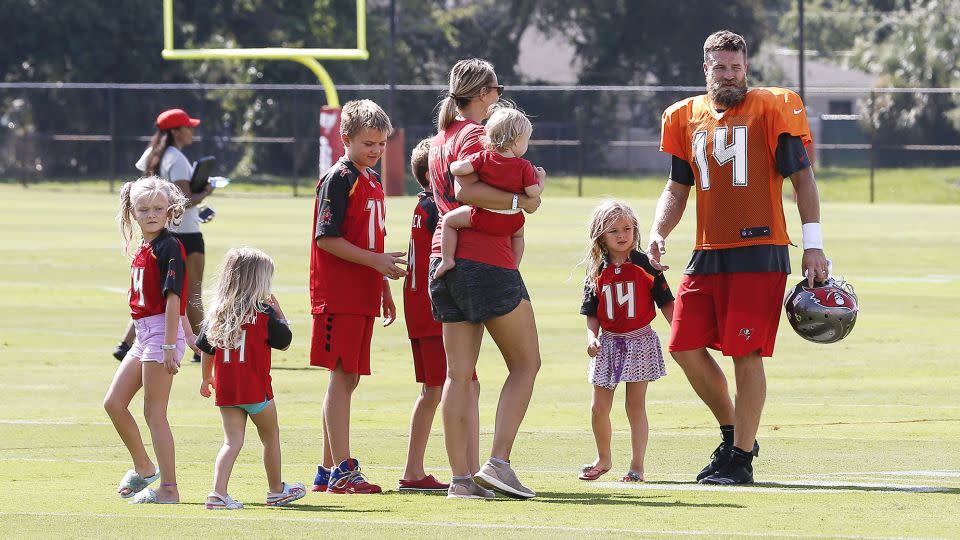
[708,434]
[699,433]
[797,486]
[929,474]
[33,386]
[829,479]
[455,524]
[112,289]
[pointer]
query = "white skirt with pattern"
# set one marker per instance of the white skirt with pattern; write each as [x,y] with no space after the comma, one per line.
[631,357]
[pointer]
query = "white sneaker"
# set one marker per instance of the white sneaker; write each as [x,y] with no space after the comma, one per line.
[468,490]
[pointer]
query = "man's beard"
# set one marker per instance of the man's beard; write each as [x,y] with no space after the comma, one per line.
[726,96]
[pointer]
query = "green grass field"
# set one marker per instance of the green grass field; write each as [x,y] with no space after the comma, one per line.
[860,439]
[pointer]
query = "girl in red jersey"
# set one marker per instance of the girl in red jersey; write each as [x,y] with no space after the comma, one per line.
[620,290]
[158,306]
[243,324]
[501,165]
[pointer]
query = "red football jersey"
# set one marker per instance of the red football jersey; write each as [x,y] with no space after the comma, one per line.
[733,157]
[416,294]
[349,205]
[159,267]
[624,297]
[457,142]
[242,375]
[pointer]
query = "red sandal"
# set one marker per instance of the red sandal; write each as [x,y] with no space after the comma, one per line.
[592,473]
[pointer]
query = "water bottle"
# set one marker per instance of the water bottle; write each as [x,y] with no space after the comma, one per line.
[219,181]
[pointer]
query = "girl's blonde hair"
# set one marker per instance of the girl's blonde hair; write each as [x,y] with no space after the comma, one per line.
[467,79]
[504,127]
[242,290]
[604,216]
[148,186]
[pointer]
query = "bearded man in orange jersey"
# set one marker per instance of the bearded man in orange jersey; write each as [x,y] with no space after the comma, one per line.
[736,145]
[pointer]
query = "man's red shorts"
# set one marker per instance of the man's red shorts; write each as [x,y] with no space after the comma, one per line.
[735,313]
[342,339]
[430,360]
[494,223]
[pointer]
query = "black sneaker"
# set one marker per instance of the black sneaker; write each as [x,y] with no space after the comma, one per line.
[735,471]
[196,357]
[720,457]
[121,351]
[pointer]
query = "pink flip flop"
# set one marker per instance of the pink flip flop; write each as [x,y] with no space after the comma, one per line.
[592,473]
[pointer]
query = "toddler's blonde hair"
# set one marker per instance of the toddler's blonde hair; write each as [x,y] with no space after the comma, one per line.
[505,126]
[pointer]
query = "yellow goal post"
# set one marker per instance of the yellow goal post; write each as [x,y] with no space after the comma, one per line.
[305,56]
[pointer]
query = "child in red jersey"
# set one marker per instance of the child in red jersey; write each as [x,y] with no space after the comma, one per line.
[243,323]
[348,283]
[426,339]
[620,290]
[501,165]
[158,307]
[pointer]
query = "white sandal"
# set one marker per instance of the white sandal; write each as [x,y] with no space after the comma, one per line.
[223,502]
[290,493]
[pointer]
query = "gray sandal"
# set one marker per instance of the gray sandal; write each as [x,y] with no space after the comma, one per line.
[135,483]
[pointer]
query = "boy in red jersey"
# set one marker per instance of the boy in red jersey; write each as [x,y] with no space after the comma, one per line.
[348,283]
[429,358]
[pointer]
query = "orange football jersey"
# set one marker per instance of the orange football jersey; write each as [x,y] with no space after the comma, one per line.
[733,157]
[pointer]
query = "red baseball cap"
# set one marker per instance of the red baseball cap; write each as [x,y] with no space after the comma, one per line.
[174,118]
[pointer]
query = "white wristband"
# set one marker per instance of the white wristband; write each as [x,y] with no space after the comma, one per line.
[516,199]
[812,236]
[166,347]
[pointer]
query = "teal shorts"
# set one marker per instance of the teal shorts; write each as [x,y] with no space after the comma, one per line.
[254,408]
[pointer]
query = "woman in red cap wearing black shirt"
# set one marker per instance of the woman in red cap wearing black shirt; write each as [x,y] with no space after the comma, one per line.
[164,158]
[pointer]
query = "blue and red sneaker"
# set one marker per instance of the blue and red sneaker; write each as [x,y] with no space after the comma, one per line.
[346,478]
[322,478]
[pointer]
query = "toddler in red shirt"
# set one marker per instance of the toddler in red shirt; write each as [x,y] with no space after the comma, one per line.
[243,324]
[502,166]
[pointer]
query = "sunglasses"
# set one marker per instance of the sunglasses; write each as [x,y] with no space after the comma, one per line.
[498,88]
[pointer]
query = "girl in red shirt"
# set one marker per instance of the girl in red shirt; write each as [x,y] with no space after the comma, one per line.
[620,291]
[157,300]
[244,322]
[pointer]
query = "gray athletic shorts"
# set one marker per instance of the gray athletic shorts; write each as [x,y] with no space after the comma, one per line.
[474,291]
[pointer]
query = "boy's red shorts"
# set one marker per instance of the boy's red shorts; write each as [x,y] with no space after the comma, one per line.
[495,224]
[430,360]
[342,339]
[735,313]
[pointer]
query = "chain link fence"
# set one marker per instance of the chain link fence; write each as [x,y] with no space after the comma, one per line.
[268,134]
